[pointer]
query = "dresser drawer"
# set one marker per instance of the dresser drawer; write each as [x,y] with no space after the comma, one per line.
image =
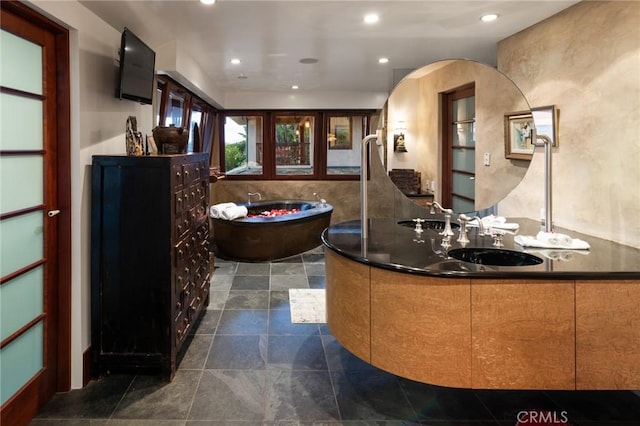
[182,225]
[190,173]
[182,328]
[202,233]
[176,175]
[178,202]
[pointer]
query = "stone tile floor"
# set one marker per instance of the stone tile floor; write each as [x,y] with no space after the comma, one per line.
[247,364]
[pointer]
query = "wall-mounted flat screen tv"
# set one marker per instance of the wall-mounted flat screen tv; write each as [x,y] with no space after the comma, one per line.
[137,69]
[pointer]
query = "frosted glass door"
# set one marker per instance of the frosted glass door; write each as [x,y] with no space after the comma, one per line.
[22,215]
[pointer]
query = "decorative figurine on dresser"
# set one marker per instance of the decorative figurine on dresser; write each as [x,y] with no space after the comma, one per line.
[149,259]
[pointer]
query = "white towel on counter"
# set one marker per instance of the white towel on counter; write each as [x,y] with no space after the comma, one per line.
[508,226]
[551,240]
[235,212]
[217,209]
[554,238]
[496,222]
[493,220]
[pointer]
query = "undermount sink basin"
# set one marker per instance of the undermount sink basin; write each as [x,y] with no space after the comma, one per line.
[438,225]
[495,257]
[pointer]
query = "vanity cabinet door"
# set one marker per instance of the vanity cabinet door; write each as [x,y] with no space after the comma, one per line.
[523,334]
[421,327]
[607,335]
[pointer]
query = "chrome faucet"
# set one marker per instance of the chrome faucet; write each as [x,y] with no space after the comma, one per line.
[447,232]
[497,235]
[462,238]
[463,217]
[437,205]
[418,229]
[253,194]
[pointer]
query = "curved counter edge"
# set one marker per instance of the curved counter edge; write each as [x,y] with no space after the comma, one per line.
[395,248]
[483,333]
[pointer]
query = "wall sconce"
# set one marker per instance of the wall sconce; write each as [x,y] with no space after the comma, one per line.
[398,143]
[398,138]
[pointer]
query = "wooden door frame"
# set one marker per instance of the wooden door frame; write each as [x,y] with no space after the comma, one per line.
[21,408]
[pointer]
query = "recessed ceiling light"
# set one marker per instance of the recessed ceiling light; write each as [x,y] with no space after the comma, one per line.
[383,60]
[371,18]
[235,61]
[207,2]
[489,17]
[295,87]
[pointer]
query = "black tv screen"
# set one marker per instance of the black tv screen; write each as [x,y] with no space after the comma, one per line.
[137,69]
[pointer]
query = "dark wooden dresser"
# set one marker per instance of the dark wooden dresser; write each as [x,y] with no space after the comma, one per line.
[149,259]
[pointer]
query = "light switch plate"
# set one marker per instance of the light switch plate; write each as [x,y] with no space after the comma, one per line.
[487,159]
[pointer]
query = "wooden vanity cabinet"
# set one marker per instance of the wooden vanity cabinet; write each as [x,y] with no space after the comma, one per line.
[149,259]
[487,333]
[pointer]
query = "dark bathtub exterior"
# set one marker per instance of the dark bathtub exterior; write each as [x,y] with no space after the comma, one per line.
[269,238]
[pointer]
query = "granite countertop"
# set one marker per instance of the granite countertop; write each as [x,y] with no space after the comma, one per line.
[399,248]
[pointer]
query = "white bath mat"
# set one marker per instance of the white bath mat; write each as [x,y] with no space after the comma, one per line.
[308,306]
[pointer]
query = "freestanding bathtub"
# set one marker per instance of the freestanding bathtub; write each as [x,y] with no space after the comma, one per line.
[257,239]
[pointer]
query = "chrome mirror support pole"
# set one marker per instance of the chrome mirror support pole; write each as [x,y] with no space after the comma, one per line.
[364,204]
[548,201]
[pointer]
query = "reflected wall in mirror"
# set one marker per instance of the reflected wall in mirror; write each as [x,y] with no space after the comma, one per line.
[454,112]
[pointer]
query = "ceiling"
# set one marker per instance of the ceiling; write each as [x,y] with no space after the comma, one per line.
[271,37]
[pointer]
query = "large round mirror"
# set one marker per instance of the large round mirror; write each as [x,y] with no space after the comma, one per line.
[457,131]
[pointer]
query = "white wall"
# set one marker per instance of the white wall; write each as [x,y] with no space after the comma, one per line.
[174,61]
[586,61]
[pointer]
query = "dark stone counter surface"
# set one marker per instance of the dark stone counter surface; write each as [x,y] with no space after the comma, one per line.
[399,248]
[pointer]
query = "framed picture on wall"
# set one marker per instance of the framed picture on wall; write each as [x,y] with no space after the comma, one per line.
[340,133]
[517,136]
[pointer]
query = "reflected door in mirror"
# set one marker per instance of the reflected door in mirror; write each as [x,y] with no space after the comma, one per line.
[459,149]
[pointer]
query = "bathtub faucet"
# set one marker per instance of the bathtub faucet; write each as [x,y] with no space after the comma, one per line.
[322,201]
[253,194]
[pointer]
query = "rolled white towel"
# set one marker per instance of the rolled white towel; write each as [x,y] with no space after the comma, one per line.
[496,222]
[235,212]
[509,226]
[499,222]
[493,220]
[217,209]
[554,239]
